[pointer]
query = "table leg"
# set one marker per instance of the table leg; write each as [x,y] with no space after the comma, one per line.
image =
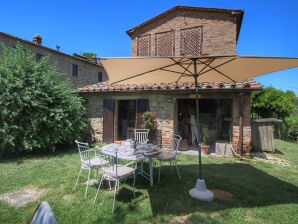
[151,171]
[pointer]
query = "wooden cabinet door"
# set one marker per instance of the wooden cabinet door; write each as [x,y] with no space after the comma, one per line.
[108,120]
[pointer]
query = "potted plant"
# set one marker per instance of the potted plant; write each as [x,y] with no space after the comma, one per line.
[149,122]
[204,137]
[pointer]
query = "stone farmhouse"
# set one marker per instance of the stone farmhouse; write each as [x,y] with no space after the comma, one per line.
[74,68]
[115,110]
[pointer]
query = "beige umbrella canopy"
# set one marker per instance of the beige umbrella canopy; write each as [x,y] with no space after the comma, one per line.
[230,69]
[140,70]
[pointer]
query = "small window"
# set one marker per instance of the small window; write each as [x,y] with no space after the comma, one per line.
[100,77]
[38,56]
[74,70]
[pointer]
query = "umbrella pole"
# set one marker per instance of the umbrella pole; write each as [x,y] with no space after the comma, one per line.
[200,191]
[198,118]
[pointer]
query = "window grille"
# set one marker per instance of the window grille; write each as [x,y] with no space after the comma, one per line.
[191,40]
[144,47]
[165,44]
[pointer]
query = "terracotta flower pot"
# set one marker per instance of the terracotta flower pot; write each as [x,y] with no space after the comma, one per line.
[204,148]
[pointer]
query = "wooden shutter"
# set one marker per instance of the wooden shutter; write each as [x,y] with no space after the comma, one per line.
[142,106]
[108,120]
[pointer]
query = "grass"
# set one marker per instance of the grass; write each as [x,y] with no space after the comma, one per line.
[262,193]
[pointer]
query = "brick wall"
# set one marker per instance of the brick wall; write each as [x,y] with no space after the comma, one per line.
[164,108]
[218,32]
[246,123]
[87,72]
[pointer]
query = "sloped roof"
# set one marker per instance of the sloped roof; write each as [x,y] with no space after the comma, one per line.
[238,13]
[105,87]
[46,48]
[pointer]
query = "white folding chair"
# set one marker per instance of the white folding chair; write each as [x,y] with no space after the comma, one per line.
[113,171]
[88,162]
[141,136]
[170,155]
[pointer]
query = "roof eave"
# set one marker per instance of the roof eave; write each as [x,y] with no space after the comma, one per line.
[18,39]
[239,24]
[171,91]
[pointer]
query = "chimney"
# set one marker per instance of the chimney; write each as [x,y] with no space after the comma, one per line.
[94,59]
[37,39]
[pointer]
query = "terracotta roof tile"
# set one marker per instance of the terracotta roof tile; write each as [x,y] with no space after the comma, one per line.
[105,87]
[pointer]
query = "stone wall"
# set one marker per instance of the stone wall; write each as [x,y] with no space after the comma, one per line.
[161,104]
[94,107]
[164,106]
[87,72]
[219,32]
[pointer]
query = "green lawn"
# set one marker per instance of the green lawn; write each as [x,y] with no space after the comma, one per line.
[262,193]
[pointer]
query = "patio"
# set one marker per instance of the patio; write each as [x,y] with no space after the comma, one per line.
[238,186]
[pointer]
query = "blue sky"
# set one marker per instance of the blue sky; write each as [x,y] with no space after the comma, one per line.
[269,28]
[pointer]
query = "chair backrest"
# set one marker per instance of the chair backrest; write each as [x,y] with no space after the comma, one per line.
[109,162]
[83,150]
[141,135]
[176,142]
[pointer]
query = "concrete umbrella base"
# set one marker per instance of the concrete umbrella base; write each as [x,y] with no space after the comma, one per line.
[200,192]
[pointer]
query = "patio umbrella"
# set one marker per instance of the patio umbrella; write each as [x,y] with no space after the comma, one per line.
[227,69]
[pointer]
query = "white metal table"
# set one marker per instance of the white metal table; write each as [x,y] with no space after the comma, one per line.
[110,149]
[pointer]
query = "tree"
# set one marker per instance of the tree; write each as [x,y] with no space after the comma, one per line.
[271,102]
[88,56]
[38,110]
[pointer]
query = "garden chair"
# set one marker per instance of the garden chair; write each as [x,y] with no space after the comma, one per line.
[113,171]
[170,156]
[88,162]
[141,136]
[43,214]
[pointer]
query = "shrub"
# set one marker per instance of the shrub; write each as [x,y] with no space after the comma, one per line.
[149,121]
[204,133]
[292,124]
[271,102]
[38,110]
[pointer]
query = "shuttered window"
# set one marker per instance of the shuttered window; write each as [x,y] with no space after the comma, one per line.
[100,79]
[38,56]
[108,120]
[75,70]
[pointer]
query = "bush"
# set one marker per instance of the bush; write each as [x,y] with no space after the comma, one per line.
[271,102]
[292,124]
[38,110]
